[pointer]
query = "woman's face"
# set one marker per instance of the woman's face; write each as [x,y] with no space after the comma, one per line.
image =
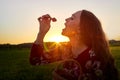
[72,25]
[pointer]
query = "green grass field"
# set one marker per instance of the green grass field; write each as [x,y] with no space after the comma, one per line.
[14,65]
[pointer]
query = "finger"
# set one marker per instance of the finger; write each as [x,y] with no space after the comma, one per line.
[43,18]
[39,18]
[46,17]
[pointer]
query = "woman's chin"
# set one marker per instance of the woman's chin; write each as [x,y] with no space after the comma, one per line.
[65,34]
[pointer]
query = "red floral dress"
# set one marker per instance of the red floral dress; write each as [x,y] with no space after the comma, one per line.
[90,65]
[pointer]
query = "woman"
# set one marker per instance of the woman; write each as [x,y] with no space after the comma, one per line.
[89,46]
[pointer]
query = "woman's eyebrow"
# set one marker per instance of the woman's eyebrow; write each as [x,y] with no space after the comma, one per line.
[73,15]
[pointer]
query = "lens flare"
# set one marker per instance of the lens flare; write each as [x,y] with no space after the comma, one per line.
[59,39]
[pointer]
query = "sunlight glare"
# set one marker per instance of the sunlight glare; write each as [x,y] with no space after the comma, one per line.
[58,39]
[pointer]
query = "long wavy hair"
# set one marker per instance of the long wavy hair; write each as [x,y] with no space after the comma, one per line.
[94,37]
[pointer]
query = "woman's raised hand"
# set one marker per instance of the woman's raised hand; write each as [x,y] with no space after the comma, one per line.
[44,22]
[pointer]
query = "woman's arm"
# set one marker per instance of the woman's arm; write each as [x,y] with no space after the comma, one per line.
[37,48]
[38,54]
[35,54]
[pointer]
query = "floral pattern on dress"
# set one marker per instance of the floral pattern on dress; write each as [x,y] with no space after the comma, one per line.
[90,65]
[67,70]
[93,68]
[91,53]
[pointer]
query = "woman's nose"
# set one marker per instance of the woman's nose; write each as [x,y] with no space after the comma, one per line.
[67,19]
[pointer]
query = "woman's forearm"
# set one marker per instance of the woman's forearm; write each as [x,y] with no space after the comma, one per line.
[39,39]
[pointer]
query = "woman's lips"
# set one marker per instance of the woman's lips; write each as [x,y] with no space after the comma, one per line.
[63,29]
[65,24]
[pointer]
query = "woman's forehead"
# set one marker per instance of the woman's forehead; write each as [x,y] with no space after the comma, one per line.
[78,13]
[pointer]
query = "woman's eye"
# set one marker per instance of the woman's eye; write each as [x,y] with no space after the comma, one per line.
[71,18]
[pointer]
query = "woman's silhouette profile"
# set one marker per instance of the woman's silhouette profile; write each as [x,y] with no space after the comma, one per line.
[88,46]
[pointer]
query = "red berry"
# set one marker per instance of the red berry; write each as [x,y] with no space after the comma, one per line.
[54,19]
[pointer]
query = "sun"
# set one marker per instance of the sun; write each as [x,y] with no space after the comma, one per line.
[58,39]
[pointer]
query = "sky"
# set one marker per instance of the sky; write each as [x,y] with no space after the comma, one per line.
[18,18]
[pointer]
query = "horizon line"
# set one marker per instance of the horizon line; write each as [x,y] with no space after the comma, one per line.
[44,41]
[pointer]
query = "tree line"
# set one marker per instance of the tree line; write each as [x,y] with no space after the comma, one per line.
[29,45]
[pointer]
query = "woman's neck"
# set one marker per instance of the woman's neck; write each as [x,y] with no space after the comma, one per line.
[77,46]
